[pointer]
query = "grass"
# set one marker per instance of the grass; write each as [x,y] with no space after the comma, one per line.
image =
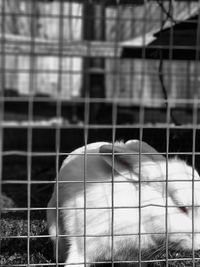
[14,230]
[14,225]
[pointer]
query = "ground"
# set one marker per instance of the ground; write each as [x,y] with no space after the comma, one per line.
[14,250]
[14,225]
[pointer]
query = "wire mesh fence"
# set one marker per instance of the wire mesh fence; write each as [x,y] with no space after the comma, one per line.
[115,79]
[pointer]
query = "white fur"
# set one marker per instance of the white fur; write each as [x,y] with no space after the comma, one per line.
[118,213]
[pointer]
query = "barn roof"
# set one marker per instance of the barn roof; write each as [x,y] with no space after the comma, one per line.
[178,38]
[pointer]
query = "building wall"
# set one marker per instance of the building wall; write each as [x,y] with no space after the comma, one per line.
[139,80]
[130,79]
[45,26]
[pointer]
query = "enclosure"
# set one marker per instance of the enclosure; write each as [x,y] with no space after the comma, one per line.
[77,72]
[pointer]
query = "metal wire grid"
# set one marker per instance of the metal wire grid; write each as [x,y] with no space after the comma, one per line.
[87,126]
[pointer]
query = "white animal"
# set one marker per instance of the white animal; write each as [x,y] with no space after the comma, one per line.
[114,199]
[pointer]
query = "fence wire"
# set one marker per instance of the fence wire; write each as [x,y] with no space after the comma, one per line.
[79,72]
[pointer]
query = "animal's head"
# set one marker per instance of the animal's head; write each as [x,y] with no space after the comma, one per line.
[170,191]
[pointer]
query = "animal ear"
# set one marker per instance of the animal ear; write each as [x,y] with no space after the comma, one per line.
[145,148]
[127,159]
[121,155]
